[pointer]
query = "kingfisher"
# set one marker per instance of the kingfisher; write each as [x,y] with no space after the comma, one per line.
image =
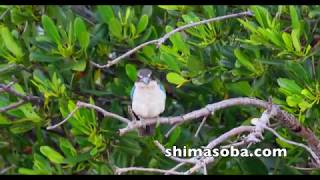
[148,99]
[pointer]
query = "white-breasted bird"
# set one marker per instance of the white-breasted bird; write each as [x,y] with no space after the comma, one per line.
[148,99]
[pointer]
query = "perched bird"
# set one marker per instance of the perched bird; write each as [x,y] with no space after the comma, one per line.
[148,99]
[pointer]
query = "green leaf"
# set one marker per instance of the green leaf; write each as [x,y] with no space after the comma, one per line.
[248,24]
[170,61]
[84,40]
[129,146]
[115,27]
[253,165]
[244,60]
[41,57]
[26,171]
[128,14]
[131,71]
[304,105]
[289,85]
[21,128]
[294,19]
[300,73]
[106,13]
[143,23]
[274,37]
[51,29]
[296,40]
[147,10]
[52,155]
[260,15]
[10,43]
[174,137]
[175,78]
[308,94]
[79,65]
[177,41]
[4,120]
[171,7]
[67,148]
[294,100]
[287,40]
[81,32]
[242,88]
[42,164]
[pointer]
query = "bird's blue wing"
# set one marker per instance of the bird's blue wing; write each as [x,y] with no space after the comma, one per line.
[132,91]
[162,87]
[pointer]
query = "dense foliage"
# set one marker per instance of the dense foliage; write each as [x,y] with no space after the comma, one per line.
[48,49]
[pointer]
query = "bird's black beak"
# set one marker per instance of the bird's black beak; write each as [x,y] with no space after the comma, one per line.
[145,80]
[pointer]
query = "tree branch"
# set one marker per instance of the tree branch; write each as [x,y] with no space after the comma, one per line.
[254,136]
[154,170]
[91,106]
[161,40]
[12,106]
[8,88]
[23,98]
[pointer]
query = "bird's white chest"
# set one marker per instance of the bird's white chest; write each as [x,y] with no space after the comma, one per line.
[148,101]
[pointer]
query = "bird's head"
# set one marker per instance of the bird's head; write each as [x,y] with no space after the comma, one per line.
[144,76]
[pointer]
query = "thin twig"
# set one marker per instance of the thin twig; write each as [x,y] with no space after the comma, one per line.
[314,156]
[91,106]
[161,40]
[305,169]
[3,171]
[205,169]
[154,170]
[172,129]
[85,13]
[200,126]
[12,106]
[104,112]
[116,60]
[175,168]
[181,160]
[10,90]
[65,120]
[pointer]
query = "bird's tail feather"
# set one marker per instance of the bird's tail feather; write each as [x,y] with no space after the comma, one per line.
[147,130]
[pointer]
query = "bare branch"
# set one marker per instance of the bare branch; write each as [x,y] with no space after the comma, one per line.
[12,106]
[10,90]
[200,126]
[23,98]
[154,170]
[91,106]
[171,130]
[231,133]
[206,111]
[104,112]
[161,40]
[306,169]
[65,120]
[175,168]
[254,136]
[4,170]
[198,166]
[313,154]
[116,60]
[190,161]
[85,13]
[182,28]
